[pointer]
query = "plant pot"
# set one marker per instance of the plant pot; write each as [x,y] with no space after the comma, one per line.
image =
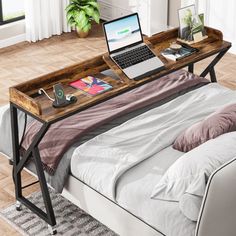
[82,34]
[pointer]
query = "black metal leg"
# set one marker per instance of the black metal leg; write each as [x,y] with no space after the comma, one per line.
[18,165]
[213,75]
[191,68]
[44,187]
[210,67]
[15,149]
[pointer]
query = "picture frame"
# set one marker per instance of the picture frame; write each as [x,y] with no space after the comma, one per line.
[185,15]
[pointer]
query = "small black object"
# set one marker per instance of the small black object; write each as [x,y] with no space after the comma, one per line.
[59,94]
[18,208]
[10,161]
[67,102]
[60,99]
[71,98]
[54,232]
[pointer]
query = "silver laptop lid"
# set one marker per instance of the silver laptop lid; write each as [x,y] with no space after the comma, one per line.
[123,33]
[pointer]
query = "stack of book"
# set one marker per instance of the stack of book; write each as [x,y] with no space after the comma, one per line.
[177,54]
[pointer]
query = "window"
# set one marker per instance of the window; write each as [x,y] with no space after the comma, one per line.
[11,10]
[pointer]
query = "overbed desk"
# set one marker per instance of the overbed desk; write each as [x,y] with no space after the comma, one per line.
[25,97]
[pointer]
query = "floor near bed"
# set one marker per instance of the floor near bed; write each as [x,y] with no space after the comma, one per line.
[25,61]
[7,194]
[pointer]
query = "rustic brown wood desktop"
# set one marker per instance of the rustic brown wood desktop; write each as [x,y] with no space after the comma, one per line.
[25,97]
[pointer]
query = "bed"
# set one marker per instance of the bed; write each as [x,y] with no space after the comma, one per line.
[133,152]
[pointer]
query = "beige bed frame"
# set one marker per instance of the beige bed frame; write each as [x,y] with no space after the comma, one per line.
[107,212]
[217,216]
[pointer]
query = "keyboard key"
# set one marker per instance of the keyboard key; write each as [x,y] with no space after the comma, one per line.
[133,56]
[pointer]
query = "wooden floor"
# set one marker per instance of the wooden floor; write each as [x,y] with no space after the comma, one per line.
[26,61]
[7,192]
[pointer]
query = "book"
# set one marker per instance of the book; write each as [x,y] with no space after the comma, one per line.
[91,85]
[176,55]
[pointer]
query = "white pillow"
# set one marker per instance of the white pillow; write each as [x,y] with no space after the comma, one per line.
[190,206]
[190,173]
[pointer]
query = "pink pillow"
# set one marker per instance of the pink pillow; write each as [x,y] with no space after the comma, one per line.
[219,122]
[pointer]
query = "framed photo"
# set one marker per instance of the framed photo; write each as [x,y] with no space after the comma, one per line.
[186,15]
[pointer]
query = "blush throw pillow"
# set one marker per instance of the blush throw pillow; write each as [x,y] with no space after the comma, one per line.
[218,123]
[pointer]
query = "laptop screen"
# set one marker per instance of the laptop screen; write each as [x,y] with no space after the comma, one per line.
[123,32]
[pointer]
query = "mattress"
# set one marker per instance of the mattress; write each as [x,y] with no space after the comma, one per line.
[167,217]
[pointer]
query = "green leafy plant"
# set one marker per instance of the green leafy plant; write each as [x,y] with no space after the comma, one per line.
[193,23]
[188,18]
[81,13]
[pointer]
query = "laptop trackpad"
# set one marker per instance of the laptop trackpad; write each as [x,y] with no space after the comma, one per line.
[143,67]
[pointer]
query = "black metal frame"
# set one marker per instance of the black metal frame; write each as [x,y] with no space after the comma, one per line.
[210,69]
[33,151]
[3,22]
[18,165]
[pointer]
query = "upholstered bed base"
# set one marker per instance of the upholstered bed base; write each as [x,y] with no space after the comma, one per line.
[217,216]
[218,212]
[107,212]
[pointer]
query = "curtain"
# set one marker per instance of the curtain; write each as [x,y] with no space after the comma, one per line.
[222,16]
[44,18]
[219,14]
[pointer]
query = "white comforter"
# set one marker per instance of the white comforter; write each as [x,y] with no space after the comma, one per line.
[104,159]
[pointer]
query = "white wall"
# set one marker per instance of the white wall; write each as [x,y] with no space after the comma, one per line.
[12,33]
[174,5]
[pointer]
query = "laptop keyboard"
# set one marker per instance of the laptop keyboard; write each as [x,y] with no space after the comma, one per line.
[133,56]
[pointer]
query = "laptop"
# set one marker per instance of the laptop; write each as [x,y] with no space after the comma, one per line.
[127,48]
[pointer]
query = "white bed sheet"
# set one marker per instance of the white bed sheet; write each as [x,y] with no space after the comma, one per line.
[166,217]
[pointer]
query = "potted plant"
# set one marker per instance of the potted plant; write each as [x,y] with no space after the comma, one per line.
[81,13]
